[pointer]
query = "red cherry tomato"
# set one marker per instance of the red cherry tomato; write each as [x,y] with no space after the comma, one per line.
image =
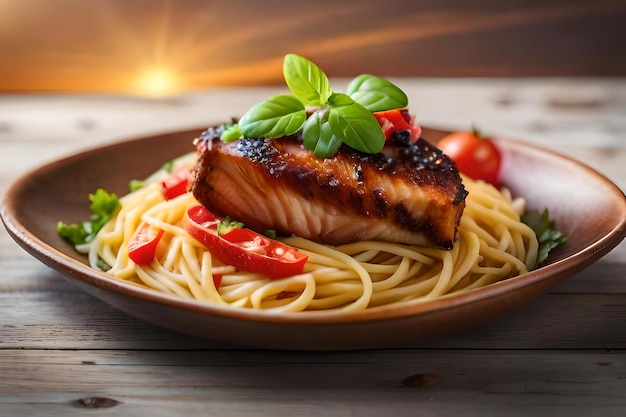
[243,248]
[476,157]
[143,243]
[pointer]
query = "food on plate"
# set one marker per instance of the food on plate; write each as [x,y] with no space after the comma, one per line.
[314,200]
[409,194]
[476,156]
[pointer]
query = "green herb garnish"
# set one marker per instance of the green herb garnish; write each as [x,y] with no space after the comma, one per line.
[545,229]
[169,165]
[228,224]
[376,94]
[104,206]
[271,233]
[231,133]
[102,265]
[279,116]
[338,118]
[134,185]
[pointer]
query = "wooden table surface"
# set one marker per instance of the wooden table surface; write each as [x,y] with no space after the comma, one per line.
[65,353]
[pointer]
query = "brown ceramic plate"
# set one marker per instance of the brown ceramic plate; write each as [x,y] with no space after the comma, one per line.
[587,207]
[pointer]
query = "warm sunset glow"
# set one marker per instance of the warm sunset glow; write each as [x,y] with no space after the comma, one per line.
[7,15]
[157,82]
[166,47]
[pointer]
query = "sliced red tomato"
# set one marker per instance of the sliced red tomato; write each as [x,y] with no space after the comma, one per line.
[244,248]
[395,120]
[177,182]
[142,245]
[475,156]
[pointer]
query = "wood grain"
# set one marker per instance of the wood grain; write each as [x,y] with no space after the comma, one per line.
[243,383]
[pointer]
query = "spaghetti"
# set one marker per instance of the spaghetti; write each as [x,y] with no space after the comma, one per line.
[492,245]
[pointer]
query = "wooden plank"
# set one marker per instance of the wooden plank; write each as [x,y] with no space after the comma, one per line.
[436,382]
[57,315]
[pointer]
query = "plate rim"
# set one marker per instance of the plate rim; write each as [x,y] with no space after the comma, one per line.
[71,267]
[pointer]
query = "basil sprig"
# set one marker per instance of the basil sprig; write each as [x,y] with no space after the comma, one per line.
[376,94]
[279,116]
[306,80]
[338,118]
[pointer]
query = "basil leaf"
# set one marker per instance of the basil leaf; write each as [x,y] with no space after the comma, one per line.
[376,94]
[355,126]
[279,116]
[318,136]
[339,99]
[306,80]
[231,133]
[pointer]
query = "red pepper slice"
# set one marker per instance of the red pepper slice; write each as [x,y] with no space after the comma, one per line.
[217,280]
[177,182]
[392,121]
[143,243]
[243,248]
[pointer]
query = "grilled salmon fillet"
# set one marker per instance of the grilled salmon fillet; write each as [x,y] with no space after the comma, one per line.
[409,193]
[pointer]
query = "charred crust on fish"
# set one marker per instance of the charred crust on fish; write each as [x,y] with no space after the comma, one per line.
[409,193]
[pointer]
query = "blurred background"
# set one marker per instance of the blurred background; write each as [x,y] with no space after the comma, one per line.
[161,47]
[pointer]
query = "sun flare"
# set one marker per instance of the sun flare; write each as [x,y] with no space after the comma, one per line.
[157,82]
